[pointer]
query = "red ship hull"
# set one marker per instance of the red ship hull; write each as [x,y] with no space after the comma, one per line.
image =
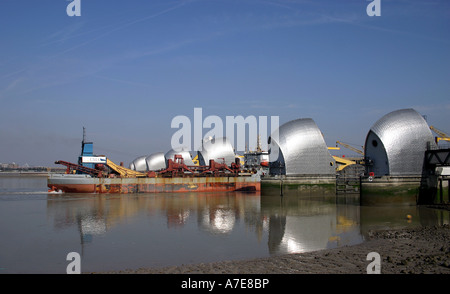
[86,184]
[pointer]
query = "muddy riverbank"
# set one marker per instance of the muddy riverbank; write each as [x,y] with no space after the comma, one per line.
[424,250]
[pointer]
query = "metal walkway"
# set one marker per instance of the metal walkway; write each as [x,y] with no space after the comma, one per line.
[438,157]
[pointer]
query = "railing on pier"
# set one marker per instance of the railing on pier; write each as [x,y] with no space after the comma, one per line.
[348,180]
[436,159]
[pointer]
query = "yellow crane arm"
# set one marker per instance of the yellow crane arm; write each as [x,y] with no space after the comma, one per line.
[342,163]
[123,171]
[442,135]
[350,147]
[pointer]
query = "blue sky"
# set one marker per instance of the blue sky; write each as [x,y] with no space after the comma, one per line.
[124,69]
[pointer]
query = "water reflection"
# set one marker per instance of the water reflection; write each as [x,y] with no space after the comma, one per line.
[300,224]
[216,213]
[388,217]
[114,232]
[292,224]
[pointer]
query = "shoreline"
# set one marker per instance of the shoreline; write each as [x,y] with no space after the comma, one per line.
[422,250]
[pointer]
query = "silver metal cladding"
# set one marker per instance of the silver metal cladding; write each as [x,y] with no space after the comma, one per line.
[156,161]
[183,152]
[396,143]
[139,164]
[302,150]
[218,149]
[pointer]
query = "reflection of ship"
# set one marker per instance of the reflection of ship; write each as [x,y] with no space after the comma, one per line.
[90,226]
[98,174]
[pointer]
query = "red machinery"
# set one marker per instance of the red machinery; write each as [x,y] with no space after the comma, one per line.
[72,166]
[176,166]
[214,167]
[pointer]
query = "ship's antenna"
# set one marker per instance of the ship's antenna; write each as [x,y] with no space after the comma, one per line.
[84,134]
[258,143]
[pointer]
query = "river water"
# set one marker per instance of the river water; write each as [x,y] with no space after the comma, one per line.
[116,232]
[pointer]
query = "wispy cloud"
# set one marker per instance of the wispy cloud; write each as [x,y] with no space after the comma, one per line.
[14,83]
[64,34]
[161,49]
[122,81]
[121,27]
[444,107]
[46,71]
[310,13]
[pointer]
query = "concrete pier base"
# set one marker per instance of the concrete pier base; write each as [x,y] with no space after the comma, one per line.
[311,185]
[388,190]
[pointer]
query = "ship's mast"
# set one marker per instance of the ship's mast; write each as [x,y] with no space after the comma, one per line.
[258,143]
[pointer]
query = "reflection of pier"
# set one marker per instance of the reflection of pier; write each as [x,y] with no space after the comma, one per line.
[301,224]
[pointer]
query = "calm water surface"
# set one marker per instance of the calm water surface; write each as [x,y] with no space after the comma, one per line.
[115,232]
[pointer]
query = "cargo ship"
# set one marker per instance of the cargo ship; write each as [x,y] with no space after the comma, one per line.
[98,174]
